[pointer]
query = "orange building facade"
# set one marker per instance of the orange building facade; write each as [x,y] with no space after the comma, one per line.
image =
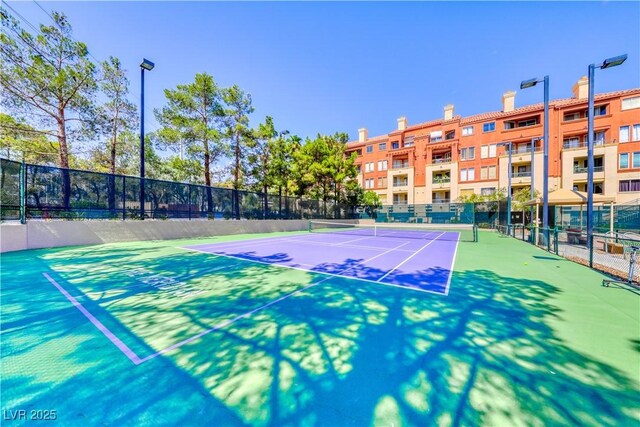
[442,160]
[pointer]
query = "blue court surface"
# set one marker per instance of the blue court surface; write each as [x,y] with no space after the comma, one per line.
[421,261]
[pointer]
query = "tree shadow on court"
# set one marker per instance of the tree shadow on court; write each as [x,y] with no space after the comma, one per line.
[337,352]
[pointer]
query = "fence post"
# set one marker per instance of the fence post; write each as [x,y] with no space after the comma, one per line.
[189,199]
[23,193]
[124,197]
[591,251]
[555,240]
[548,239]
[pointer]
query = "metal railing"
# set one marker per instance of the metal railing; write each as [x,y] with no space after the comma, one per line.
[442,160]
[577,169]
[441,180]
[526,174]
[581,144]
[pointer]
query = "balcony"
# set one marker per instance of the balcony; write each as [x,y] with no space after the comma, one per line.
[400,165]
[579,169]
[402,183]
[441,200]
[441,183]
[568,145]
[526,174]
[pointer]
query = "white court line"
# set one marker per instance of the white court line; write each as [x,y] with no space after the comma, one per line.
[101,327]
[306,270]
[409,257]
[453,261]
[255,310]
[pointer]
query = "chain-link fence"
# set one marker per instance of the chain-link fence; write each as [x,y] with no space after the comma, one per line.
[46,192]
[613,253]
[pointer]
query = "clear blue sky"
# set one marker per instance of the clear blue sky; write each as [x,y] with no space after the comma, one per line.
[326,67]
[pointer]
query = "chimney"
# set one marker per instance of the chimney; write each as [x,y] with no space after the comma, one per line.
[362,134]
[448,112]
[402,123]
[508,101]
[581,88]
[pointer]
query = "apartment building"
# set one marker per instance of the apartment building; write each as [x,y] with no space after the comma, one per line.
[441,160]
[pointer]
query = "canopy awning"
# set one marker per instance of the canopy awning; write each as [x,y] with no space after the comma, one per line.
[566,197]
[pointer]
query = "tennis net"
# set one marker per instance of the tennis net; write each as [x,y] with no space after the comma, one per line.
[447,232]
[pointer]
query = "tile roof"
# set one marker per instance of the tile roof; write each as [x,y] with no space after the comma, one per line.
[556,103]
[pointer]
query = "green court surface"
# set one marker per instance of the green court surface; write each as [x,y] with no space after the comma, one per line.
[522,338]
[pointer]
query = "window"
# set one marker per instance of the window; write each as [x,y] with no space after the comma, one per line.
[492,150]
[598,138]
[468,130]
[572,142]
[468,153]
[509,125]
[408,142]
[488,172]
[629,185]
[629,103]
[489,127]
[487,191]
[368,183]
[574,115]
[624,160]
[635,163]
[463,175]
[382,165]
[636,132]
[369,148]
[450,135]
[624,133]
[359,168]
[382,182]
[369,167]
[484,151]
[472,174]
[600,110]
[435,136]
[382,146]
[395,145]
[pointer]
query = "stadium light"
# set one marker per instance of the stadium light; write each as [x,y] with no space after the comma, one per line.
[607,63]
[545,159]
[145,65]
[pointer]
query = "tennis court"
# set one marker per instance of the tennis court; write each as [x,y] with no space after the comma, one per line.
[343,325]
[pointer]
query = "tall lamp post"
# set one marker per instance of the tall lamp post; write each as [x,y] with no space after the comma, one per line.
[509,173]
[145,65]
[607,63]
[545,163]
[533,179]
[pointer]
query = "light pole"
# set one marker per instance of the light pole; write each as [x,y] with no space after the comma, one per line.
[145,65]
[509,173]
[607,63]
[545,163]
[533,181]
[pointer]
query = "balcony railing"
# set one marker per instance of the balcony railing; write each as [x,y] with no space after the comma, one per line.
[441,160]
[441,180]
[400,183]
[578,169]
[521,174]
[441,200]
[581,144]
[400,165]
[400,202]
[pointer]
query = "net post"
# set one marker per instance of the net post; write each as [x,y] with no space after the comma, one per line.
[309,226]
[23,192]
[475,232]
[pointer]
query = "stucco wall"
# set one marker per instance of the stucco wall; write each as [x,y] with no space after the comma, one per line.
[48,234]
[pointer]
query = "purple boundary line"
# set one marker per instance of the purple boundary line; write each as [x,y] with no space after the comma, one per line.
[107,333]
